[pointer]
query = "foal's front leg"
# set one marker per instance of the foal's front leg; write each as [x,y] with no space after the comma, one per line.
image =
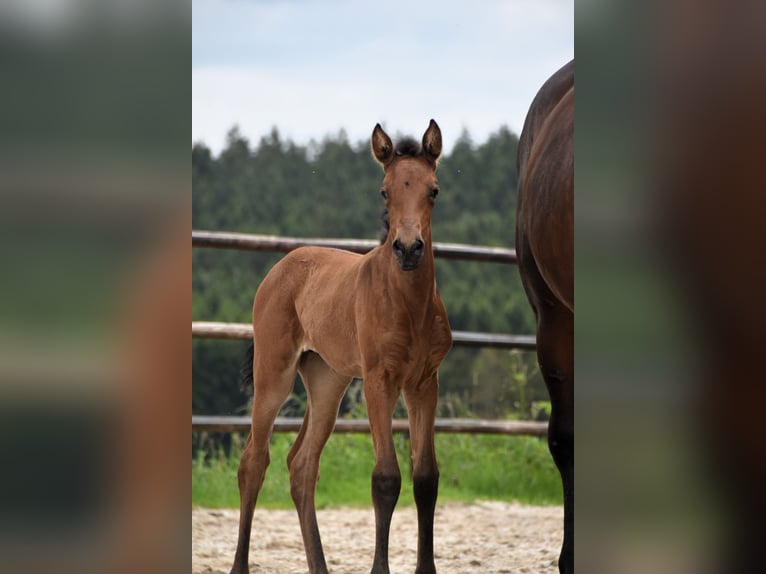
[421,407]
[386,477]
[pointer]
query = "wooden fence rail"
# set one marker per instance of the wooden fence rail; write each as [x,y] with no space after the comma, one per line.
[254,242]
[218,330]
[473,426]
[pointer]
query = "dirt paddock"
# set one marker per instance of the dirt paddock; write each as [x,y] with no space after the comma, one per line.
[486,537]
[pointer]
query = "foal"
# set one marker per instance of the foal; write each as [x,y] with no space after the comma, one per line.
[333,315]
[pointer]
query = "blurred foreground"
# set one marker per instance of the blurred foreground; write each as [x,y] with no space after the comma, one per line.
[670,326]
[94,298]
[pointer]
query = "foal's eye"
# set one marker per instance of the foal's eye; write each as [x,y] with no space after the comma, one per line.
[384,193]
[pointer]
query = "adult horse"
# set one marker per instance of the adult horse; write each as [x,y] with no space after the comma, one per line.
[545,248]
[332,315]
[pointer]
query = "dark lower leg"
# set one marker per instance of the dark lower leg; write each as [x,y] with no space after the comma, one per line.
[562,448]
[561,445]
[421,406]
[555,353]
[386,485]
[425,488]
[386,478]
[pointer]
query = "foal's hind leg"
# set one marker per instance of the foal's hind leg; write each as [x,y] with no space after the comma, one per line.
[270,389]
[325,389]
[555,348]
[421,409]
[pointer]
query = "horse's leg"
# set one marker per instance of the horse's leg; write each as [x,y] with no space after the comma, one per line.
[270,389]
[555,348]
[381,398]
[325,389]
[421,407]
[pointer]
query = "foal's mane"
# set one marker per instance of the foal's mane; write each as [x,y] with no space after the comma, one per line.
[408,147]
[385,226]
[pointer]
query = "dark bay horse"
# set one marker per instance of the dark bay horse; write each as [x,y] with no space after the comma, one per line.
[332,315]
[545,248]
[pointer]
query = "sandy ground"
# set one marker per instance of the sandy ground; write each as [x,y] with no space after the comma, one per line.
[486,537]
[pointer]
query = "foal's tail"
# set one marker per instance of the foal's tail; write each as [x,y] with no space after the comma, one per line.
[246,371]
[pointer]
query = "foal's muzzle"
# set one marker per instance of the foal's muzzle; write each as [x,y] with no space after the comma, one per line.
[409,256]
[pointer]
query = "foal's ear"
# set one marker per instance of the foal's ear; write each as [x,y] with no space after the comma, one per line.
[432,142]
[382,148]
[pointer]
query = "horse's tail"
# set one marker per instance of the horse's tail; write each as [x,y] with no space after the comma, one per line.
[246,371]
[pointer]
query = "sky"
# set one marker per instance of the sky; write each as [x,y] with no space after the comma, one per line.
[313,68]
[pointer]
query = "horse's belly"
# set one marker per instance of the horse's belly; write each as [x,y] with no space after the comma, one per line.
[339,349]
[342,363]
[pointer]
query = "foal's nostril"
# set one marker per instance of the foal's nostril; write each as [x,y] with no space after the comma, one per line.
[409,256]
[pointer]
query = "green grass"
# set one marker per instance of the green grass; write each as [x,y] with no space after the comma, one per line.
[472,467]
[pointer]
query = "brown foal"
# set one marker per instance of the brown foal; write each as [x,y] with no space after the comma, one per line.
[332,315]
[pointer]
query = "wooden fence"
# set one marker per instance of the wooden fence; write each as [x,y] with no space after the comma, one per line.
[284,424]
[252,242]
[216,330]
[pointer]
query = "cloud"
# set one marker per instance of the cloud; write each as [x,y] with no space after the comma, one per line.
[258,100]
[311,70]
